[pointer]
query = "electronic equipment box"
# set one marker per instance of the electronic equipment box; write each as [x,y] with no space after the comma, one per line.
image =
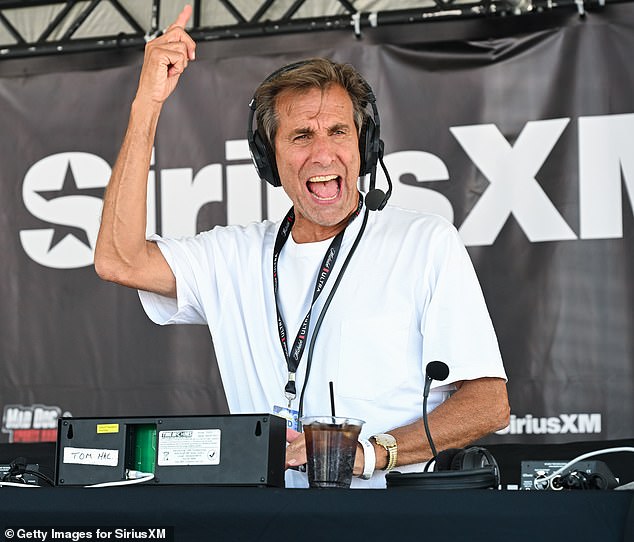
[234,450]
[590,475]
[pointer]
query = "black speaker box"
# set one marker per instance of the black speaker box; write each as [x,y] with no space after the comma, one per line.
[236,450]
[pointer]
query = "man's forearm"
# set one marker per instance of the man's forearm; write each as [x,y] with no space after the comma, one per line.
[476,409]
[122,254]
[123,223]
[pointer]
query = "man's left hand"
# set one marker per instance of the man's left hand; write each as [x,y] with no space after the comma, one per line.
[296,452]
[296,449]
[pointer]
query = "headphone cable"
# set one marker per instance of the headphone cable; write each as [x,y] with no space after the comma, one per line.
[322,313]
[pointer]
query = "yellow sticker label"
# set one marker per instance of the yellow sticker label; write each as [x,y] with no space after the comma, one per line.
[107,428]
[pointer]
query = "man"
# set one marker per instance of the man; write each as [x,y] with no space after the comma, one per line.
[402,293]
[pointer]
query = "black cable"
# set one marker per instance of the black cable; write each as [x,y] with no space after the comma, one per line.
[387,177]
[41,476]
[19,478]
[322,314]
[309,360]
[18,467]
[429,439]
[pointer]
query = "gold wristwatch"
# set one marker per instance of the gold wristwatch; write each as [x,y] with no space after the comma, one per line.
[389,443]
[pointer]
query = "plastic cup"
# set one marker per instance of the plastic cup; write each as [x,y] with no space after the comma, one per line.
[331,446]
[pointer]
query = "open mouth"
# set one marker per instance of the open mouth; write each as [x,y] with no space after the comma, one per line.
[324,187]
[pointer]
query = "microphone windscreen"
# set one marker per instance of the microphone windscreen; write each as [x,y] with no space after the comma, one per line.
[437,370]
[374,198]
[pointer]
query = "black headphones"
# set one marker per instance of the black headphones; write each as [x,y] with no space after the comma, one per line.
[472,467]
[370,144]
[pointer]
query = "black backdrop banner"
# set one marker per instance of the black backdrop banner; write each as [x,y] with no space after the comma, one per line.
[520,132]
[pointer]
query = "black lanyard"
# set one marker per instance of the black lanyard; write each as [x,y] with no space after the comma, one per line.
[295,355]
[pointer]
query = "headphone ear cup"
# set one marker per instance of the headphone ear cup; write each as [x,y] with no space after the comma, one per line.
[472,457]
[444,459]
[264,159]
[368,146]
[476,457]
[458,461]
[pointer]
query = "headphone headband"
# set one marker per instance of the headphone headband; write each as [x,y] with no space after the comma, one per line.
[263,155]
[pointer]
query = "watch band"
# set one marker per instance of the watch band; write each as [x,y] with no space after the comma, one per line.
[369,459]
[389,443]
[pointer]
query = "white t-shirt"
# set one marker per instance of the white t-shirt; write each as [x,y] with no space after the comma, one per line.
[409,296]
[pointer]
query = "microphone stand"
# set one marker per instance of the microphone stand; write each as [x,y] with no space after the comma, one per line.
[435,370]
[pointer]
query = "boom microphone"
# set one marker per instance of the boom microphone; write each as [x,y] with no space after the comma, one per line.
[472,467]
[435,370]
[374,198]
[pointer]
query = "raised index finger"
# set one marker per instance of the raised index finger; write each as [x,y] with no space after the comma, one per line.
[179,30]
[183,16]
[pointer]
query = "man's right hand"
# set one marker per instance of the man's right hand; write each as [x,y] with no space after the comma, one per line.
[122,254]
[166,58]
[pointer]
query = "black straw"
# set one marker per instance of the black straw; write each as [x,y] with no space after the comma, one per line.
[332,399]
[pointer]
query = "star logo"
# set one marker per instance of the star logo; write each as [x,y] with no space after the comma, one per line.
[69,188]
[65,192]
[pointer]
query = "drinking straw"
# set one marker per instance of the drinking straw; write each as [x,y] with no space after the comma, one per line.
[332,399]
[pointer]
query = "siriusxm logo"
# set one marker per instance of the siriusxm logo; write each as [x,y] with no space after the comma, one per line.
[582,423]
[65,190]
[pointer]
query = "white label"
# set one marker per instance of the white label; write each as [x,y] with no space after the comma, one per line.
[189,447]
[91,456]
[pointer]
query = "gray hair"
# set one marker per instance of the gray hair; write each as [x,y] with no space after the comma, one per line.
[319,73]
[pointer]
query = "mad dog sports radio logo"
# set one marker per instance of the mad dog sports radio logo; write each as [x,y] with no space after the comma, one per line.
[35,423]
